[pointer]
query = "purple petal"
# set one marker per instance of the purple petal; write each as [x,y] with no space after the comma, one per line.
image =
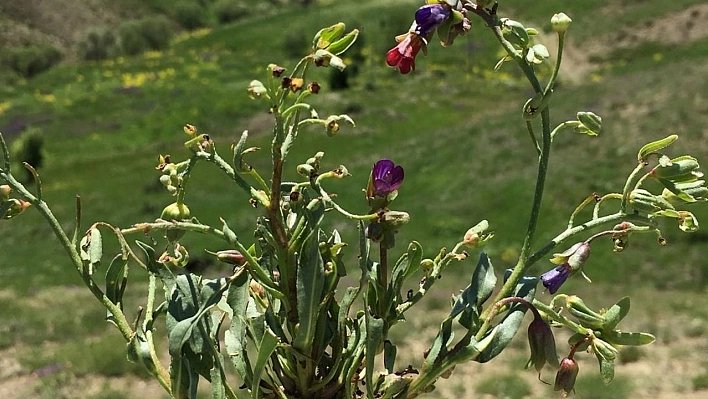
[429,17]
[554,278]
[395,178]
[381,168]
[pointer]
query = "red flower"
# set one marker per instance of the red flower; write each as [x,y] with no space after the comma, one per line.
[403,55]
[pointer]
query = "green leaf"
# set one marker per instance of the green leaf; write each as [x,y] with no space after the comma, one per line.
[180,378]
[374,338]
[266,348]
[627,338]
[235,336]
[310,283]
[217,383]
[116,280]
[510,324]
[439,347]
[655,146]
[405,267]
[476,293]
[616,313]
[183,314]
[607,369]
[389,356]
[156,268]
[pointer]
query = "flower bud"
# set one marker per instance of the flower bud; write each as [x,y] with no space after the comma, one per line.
[477,235]
[17,207]
[256,89]
[574,256]
[175,211]
[560,22]
[296,84]
[257,289]
[566,375]
[5,191]
[590,123]
[687,222]
[395,219]
[190,130]
[314,87]
[231,256]
[276,70]
[306,170]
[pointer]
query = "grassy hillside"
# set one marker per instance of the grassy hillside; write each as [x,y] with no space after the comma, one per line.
[453,124]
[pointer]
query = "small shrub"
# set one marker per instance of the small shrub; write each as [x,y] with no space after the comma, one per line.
[509,386]
[132,42]
[140,35]
[229,10]
[700,382]
[98,44]
[190,15]
[157,31]
[28,147]
[28,61]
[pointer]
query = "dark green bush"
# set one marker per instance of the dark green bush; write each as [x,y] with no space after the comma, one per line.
[28,61]
[98,44]
[28,147]
[149,33]
[230,10]
[190,15]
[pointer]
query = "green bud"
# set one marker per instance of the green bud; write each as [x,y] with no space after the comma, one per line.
[231,256]
[343,44]
[306,170]
[326,36]
[586,317]
[560,22]
[646,202]
[515,33]
[683,193]
[682,169]
[590,123]
[256,89]
[175,211]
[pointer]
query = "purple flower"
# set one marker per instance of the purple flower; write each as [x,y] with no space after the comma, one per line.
[386,177]
[429,17]
[555,277]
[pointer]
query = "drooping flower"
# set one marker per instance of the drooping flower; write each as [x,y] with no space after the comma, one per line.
[542,344]
[566,375]
[403,55]
[429,17]
[569,262]
[554,278]
[386,177]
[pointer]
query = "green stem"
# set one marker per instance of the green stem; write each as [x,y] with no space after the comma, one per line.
[628,187]
[534,141]
[556,69]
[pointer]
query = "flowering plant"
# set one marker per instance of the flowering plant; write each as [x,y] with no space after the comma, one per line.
[283,319]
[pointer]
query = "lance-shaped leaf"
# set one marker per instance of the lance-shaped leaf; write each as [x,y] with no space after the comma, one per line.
[616,313]
[627,338]
[476,293]
[116,280]
[266,348]
[374,338]
[655,146]
[235,336]
[505,331]
[310,283]
[606,355]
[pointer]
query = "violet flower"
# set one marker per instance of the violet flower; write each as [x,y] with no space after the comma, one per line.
[554,278]
[386,177]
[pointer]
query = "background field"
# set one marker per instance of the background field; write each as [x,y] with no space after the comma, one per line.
[453,124]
